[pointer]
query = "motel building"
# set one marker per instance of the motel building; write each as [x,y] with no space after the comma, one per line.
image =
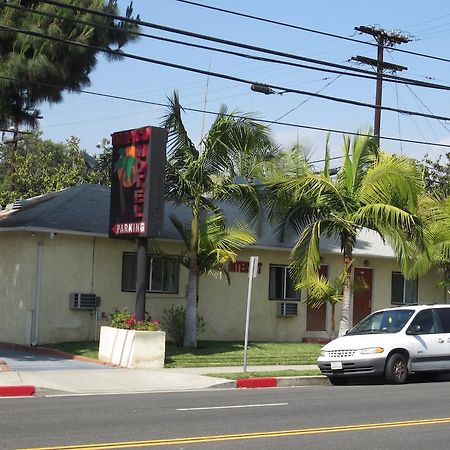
[61,275]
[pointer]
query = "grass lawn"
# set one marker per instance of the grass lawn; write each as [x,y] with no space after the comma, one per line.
[216,354]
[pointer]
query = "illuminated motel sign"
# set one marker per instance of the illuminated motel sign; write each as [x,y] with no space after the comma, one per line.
[137,183]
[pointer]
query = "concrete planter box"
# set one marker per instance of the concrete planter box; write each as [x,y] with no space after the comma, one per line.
[131,348]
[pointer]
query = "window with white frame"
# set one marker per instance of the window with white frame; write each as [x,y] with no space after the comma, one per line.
[403,291]
[281,286]
[162,273]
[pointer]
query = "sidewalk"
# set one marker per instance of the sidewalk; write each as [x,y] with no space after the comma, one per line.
[98,379]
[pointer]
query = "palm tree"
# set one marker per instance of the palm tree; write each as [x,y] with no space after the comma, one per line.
[320,291]
[217,243]
[198,178]
[435,215]
[371,189]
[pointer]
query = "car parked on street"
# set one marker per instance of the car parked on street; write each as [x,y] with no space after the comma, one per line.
[393,342]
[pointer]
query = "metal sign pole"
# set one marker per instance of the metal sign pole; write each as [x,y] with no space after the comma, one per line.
[252,271]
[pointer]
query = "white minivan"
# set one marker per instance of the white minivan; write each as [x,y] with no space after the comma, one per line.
[393,342]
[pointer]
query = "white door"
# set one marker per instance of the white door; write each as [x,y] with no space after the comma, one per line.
[428,344]
[443,313]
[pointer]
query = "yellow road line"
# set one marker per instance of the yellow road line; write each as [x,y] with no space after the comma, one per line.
[261,435]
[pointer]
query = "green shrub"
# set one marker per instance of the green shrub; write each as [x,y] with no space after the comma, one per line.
[173,323]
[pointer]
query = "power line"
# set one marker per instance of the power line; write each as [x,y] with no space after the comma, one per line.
[268,122]
[364,74]
[310,30]
[209,48]
[274,22]
[232,43]
[306,100]
[220,75]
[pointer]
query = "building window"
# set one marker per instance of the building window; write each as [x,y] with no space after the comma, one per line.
[281,286]
[162,273]
[403,291]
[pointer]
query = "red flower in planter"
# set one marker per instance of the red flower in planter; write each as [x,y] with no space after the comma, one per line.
[127,320]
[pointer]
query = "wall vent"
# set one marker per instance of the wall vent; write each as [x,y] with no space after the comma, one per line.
[83,301]
[286,309]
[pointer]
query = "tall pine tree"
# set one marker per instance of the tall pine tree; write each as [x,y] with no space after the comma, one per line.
[34,69]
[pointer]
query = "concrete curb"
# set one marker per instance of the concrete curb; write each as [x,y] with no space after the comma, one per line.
[314,380]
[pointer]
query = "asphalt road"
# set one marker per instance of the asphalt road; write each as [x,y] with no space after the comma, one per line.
[377,416]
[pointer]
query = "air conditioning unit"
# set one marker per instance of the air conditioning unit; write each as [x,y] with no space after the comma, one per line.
[286,309]
[83,301]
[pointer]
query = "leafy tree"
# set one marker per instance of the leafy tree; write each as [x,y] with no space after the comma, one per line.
[35,69]
[102,164]
[436,175]
[195,178]
[43,166]
[372,189]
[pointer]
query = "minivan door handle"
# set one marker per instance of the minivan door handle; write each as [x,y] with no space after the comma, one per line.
[440,340]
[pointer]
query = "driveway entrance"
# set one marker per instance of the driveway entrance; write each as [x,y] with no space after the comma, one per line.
[30,361]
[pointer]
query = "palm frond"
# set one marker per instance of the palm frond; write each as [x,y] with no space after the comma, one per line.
[179,143]
[321,290]
[305,256]
[392,179]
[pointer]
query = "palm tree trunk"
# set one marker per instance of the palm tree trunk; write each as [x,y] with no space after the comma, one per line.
[190,330]
[344,324]
[333,321]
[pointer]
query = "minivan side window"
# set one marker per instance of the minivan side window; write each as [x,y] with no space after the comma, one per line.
[444,316]
[425,319]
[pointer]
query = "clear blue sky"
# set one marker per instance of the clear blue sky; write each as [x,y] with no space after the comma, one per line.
[93,118]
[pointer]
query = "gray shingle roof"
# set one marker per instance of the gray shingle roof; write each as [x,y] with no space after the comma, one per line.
[85,209]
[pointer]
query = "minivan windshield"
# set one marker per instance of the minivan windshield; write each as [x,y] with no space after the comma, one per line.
[389,321]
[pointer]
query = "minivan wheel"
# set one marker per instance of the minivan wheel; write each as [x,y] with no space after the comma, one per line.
[338,381]
[396,369]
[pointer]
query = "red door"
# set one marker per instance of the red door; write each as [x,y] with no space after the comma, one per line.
[362,293]
[316,318]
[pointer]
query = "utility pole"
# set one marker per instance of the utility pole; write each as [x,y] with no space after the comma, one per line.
[384,39]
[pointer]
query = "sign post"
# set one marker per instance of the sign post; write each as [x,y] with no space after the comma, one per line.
[137,195]
[252,272]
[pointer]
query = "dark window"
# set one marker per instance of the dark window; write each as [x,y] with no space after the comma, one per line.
[403,291]
[162,273]
[281,286]
[425,320]
[444,316]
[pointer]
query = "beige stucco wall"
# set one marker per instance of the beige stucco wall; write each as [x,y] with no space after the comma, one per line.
[87,264]
[17,285]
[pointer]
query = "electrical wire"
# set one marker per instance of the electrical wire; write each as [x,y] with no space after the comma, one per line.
[306,100]
[230,43]
[268,122]
[221,75]
[336,36]
[209,48]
